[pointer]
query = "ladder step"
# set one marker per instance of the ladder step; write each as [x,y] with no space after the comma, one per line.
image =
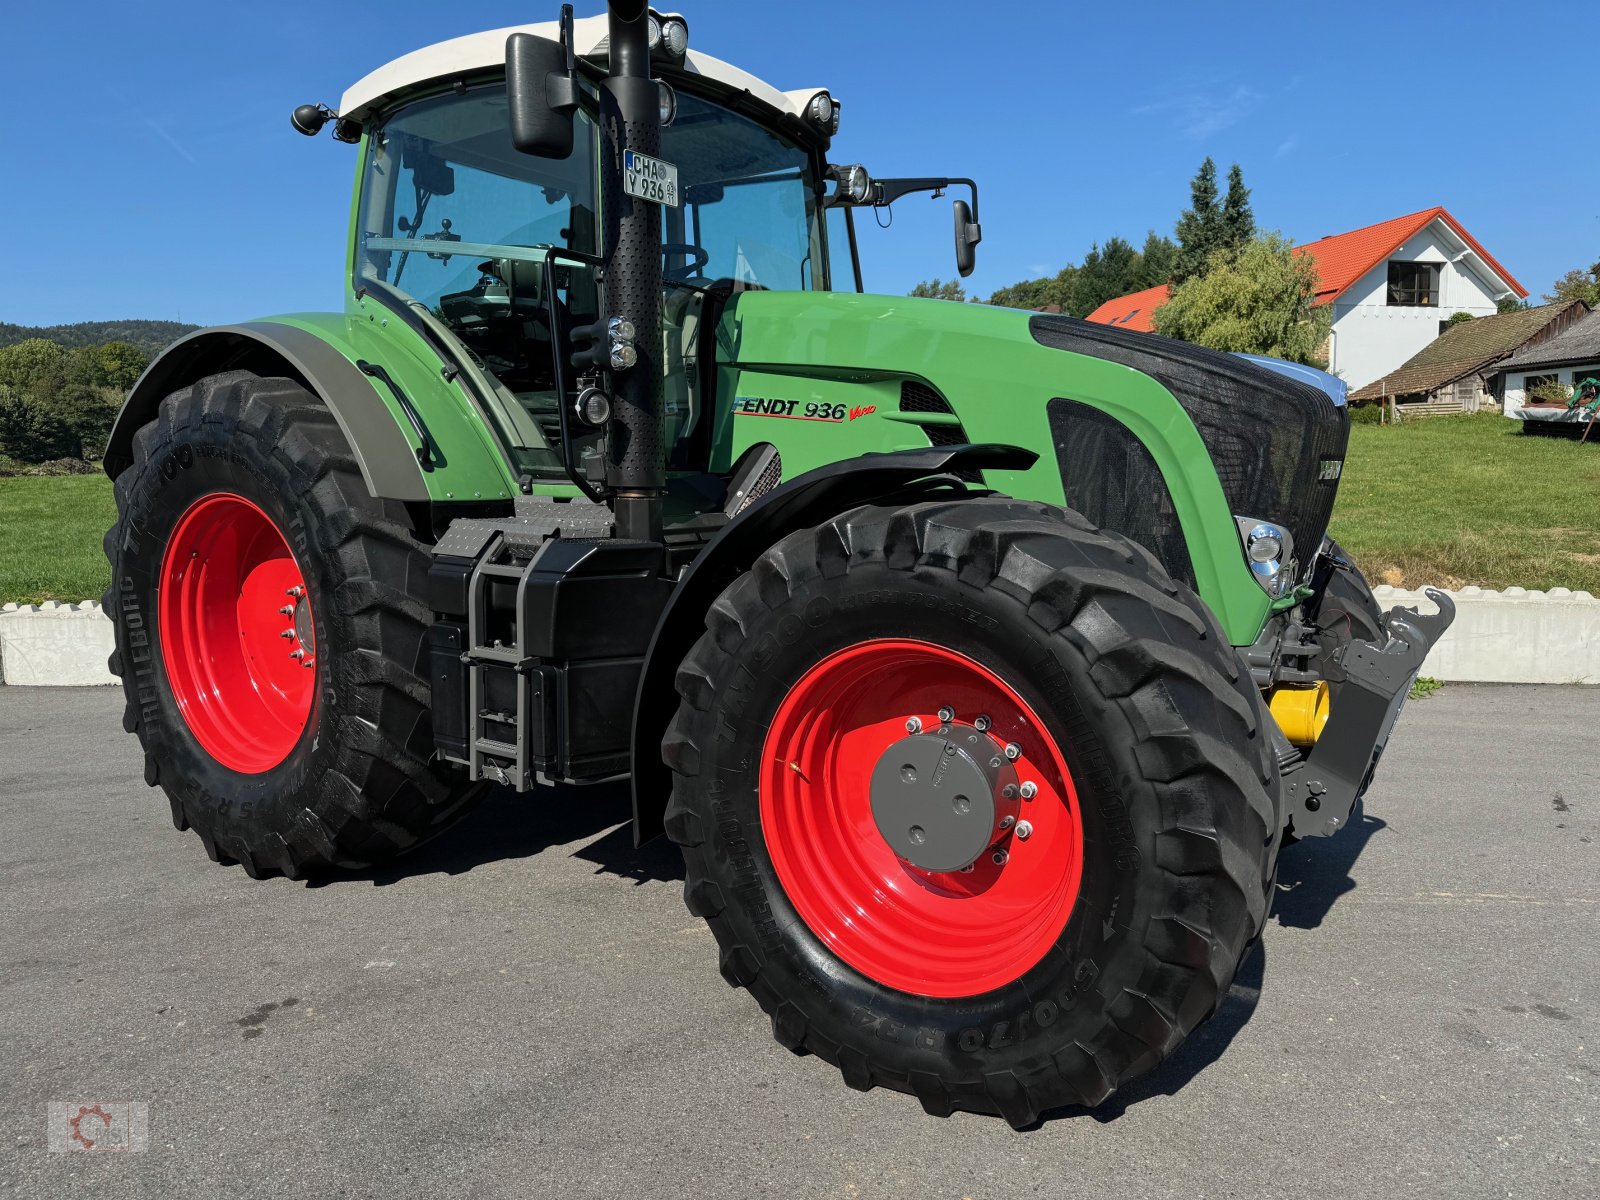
[500,749]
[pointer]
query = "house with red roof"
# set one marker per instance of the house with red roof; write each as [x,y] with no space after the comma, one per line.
[1392,287]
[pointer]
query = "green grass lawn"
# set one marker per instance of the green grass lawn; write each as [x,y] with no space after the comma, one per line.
[1448,501]
[50,531]
[1464,500]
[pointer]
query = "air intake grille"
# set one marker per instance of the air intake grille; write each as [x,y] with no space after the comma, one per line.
[920,398]
[1109,476]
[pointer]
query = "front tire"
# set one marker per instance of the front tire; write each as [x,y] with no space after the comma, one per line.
[1086,953]
[270,634]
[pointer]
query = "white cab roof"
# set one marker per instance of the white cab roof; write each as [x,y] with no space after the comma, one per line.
[482,51]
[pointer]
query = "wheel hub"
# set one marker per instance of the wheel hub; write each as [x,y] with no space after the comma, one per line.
[941,798]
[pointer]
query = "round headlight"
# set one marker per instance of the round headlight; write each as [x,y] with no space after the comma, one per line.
[621,329]
[855,185]
[655,32]
[594,407]
[820,110]
[623,355]
[1265,544]
[668,102]
[675,33]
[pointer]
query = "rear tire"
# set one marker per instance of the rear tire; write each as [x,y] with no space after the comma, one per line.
[1168,782]
[240,485]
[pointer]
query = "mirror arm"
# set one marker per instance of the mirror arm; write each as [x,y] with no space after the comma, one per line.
[887,191]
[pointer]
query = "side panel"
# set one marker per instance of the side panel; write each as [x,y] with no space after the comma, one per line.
[998,380]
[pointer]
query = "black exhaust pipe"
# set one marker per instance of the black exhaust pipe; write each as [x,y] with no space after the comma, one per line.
[636,465]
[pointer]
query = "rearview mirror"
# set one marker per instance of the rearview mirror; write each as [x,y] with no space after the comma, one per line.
[968,235]
[541,95]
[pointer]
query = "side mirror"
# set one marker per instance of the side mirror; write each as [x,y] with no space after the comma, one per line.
[968,235]
[541,95]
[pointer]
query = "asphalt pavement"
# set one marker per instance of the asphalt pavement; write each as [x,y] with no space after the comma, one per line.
[525,1008]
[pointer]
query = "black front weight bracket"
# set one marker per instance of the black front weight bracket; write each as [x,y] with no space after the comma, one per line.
[1320,790]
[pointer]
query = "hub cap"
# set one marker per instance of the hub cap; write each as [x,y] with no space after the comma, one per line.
[236,633]
[920,818]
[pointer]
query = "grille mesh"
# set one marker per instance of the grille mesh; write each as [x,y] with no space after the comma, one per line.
[920,398]
[1266,433]
[1108,475]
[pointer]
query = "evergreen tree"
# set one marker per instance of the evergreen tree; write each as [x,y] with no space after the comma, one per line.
[1157,261]
[1200,228]
[1238,222]
[1107,272]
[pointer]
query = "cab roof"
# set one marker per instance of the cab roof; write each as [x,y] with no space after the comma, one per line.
[479,52]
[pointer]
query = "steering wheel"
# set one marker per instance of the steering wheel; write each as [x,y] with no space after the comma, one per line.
[698,257]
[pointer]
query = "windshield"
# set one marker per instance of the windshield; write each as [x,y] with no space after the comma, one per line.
[456,223]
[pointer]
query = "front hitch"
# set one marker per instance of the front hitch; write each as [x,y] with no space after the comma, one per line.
[1321,789]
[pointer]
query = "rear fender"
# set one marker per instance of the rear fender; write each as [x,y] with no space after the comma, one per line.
[804,501]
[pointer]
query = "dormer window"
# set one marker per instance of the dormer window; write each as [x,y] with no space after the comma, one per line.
[1413,285]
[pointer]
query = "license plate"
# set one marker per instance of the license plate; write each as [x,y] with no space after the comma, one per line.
[649,178]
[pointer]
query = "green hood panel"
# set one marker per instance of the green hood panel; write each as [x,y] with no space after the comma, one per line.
[791,361]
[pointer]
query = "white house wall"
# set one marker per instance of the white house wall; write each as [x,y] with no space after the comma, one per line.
[1371,338]
[1517,383]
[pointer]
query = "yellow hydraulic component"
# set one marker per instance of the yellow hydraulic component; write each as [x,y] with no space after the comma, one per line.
[1301,712]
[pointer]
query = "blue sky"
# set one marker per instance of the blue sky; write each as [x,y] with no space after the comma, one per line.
[151,171]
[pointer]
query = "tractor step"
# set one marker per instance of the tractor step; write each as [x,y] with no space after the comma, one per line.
[542,623]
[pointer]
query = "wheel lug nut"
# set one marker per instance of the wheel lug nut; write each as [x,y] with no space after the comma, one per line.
[967,870]
[297,653]
[287,633]
[1009,791]
[1030,790]
[1013,751]
[1000,857]
[946,715]
[286,611]
[311,662]
[981,723]
[296,591]
[914,725]
[1024,830]
[1007,822]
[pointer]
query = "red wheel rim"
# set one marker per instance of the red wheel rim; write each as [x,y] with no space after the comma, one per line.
[942,934]
[236,633]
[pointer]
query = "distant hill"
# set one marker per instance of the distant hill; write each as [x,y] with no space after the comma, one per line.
[150,336]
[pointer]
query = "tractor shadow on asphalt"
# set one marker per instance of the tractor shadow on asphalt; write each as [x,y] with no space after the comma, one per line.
[507,826]
[1312,875]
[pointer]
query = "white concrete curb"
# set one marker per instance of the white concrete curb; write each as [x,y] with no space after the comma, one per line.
[1514,636]
[60,645]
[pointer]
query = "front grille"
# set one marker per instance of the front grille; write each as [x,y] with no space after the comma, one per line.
[1267,434]
[1109,476]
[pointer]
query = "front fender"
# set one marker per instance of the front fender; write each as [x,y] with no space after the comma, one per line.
[804,501]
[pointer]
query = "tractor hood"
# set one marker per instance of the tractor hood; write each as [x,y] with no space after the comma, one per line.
[1165,442]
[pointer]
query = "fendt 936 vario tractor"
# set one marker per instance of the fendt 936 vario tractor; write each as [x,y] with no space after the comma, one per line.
[980,661]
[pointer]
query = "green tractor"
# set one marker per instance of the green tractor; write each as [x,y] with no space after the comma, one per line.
[980,661]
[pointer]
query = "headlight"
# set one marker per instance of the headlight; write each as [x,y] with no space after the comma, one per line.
[1269,549]
[669,32]
[855,185]
[822,110]
[668,102]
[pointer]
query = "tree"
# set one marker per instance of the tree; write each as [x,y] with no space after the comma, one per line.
[34,367]
[1510,304]
[1238,222]
[1106,273]
[940,290]
[1577,284]
[1257,300]
[113,364]
[1455,319]
[1157,260]
[1038,293]
[1200,229]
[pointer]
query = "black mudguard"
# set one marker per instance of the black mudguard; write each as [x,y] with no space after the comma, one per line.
[806,500]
